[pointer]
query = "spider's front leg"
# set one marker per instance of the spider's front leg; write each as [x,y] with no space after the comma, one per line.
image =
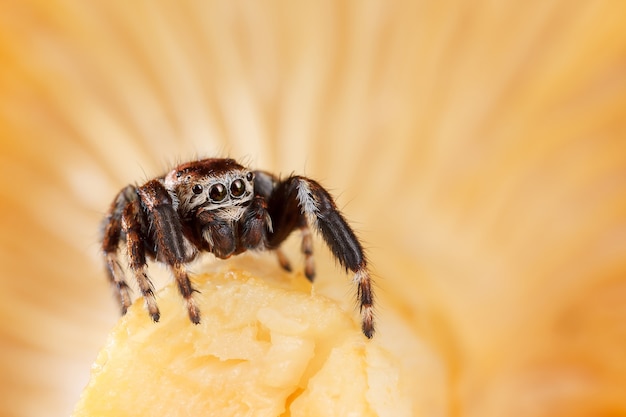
[172,248]
[298,201]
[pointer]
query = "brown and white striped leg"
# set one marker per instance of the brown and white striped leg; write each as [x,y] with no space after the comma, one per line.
[131,225]
[116,277]
[366,303]
[112,229]
[186,290]
[172,248]
[283,260]
[318,211]
[307,250]
[321,212]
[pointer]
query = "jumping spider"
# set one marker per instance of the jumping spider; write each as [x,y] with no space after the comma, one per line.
[219,206]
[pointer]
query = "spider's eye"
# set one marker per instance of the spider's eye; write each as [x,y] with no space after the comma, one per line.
[197,189]
[249,176]
[237,188]
[217,192]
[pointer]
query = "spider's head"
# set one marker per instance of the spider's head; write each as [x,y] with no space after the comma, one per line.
[210,184]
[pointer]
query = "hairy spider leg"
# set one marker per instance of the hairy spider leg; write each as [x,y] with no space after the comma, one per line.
[283,261]
[289,218]
[169,239]
[131,225]
[112,234]
[307,249]
[299,201]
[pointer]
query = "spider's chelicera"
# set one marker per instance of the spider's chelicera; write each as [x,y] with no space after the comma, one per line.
[219,206]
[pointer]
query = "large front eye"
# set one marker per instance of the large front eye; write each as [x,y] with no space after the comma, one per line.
[217,192]
[237,188]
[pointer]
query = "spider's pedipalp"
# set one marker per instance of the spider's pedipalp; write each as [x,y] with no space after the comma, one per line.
[254,225]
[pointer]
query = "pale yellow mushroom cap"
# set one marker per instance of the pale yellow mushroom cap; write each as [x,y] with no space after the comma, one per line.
[267,345]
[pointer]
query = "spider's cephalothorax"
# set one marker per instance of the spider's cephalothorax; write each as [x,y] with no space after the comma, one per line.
[218,206]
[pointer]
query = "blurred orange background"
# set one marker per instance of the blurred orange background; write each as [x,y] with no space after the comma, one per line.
[478,147]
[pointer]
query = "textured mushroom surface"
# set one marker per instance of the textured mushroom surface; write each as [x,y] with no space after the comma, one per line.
[266,346]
